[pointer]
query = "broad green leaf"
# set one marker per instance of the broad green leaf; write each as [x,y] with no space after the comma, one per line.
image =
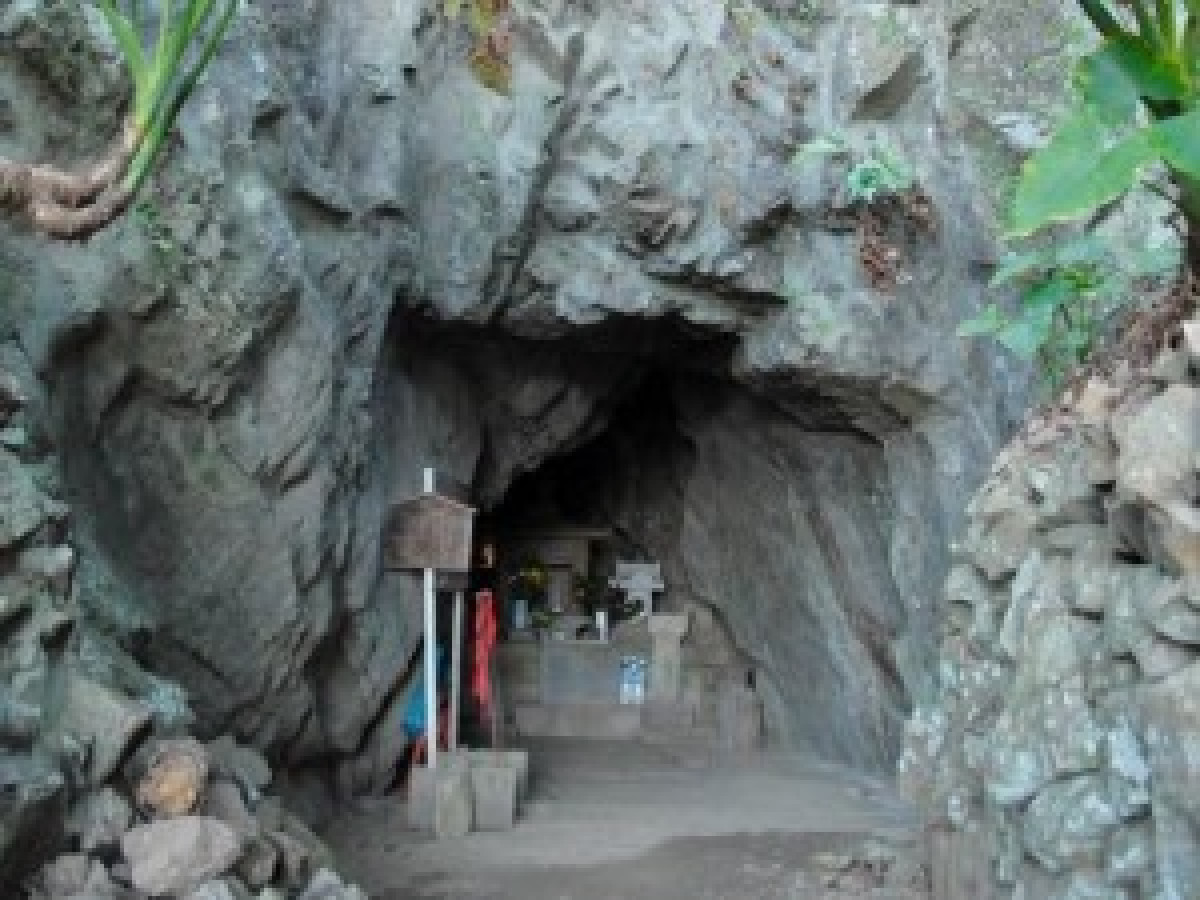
[1101,18]
[1106,88]
[451,8]
[1073,174]
[1178,141]
[1155,76]
[1051,293]
[1027,335]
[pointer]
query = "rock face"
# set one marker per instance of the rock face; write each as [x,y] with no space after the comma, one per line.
[81,720]
[360,261]
[1065,728]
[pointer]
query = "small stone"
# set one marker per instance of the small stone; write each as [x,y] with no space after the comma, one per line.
[1068,823]
[213,890]
[1191,338]
[243,764]
[99,819]
[52,565]
[65,875]
[1170,613]
[301,852]
[174,856]
[224,801]
[832,862]
[1170,367]
[175,779]
[12,397]
[23,507]
[14,437]
[324,886]
[259,862]
[1130,854]
[1158,658]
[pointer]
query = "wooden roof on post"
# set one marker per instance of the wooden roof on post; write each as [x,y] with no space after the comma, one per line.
[430,531]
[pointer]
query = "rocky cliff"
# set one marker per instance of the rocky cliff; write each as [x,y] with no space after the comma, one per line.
[1064,731]
[93,754]
[358,260]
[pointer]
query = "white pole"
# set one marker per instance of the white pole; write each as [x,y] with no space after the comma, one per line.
[431,716]
[456,669]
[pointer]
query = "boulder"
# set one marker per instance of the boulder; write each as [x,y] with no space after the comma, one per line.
[33,805]
[108,720]
[216,890]
[174,856]
[175,778]
[23,506]
[1068,823]
[326,885]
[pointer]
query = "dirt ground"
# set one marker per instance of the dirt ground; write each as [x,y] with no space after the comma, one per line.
[623,821]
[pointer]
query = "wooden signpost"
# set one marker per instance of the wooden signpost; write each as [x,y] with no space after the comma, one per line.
[432,533]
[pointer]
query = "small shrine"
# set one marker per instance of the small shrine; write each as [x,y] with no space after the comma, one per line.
[557,629]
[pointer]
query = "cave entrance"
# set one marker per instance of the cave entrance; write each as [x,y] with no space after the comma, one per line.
[598,636]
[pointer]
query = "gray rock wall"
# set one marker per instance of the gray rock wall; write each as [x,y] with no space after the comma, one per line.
[245,371]
[82,721]
[1064,726]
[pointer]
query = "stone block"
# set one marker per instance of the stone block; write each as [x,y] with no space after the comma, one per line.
[517,760]
[494,795]
[175,856]
[111,722]
[440,799]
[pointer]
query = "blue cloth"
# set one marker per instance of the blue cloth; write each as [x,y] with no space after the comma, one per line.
[414,710]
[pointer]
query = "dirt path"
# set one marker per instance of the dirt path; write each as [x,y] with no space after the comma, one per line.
[630,822]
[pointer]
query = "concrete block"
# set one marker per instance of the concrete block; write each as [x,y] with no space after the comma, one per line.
[517,760]
[440,800]
[454,807]
[494,793]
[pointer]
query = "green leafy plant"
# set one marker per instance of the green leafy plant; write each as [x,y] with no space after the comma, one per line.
[877,171]
[164,73]
[165,61]
[1138,104]
[1065,294]
[882,172]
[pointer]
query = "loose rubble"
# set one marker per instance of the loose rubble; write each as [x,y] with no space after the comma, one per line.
[1066,727]
[105,797]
